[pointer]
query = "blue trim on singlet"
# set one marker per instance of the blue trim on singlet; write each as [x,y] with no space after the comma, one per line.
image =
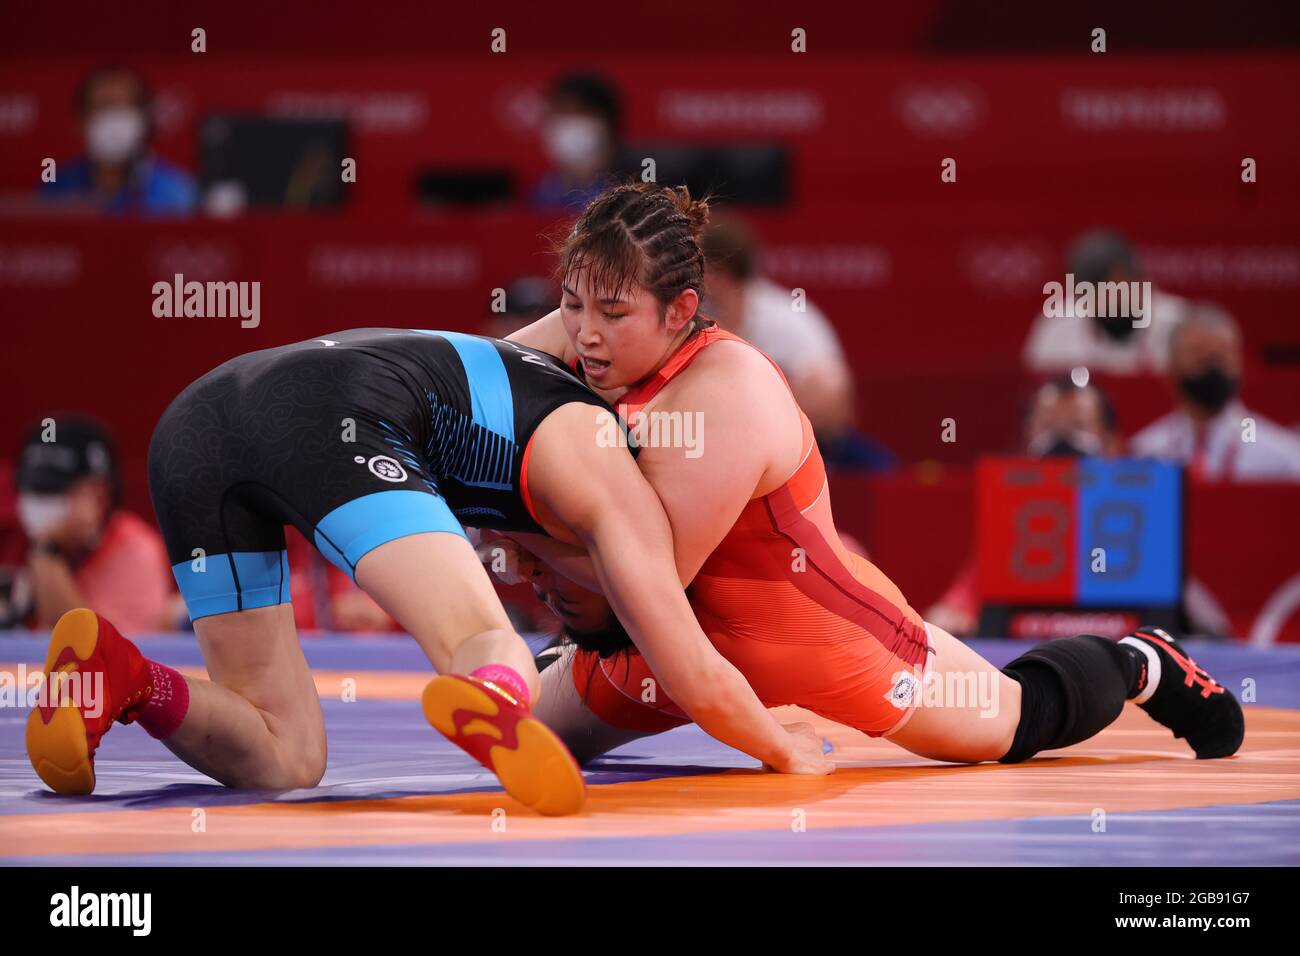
[351,530]
[478,449]
[491,401]
[234,581]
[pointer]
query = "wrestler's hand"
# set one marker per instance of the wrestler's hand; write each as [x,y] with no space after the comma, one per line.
[806,755]
[506,559]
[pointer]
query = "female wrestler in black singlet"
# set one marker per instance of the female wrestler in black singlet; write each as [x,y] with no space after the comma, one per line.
[378,444]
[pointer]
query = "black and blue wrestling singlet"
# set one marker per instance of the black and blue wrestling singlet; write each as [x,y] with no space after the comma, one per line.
[355,438]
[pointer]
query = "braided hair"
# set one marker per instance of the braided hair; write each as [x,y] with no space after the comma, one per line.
[642,234]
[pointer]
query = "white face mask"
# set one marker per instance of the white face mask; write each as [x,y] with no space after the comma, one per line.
[41,514]
[575,141]
[114,135]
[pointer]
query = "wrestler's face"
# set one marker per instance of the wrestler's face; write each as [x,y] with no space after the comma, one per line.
[621,337]
[580,609]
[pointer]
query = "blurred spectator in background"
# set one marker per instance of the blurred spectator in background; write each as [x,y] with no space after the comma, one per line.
[802,343]
[1064,420]
[527,299]
[580,134]
[15,582]
[1211,431]
[118,174]
[1110,344]
[1070,420]
[85,550]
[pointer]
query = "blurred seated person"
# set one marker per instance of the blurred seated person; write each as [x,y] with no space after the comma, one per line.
[1064,420]
[1103,344]
[803,344]
[527,299]
[1211,431]
[580,134]
[118,174]
[85,550]
[15,582]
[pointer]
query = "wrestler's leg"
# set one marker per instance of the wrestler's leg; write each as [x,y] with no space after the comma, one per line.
[258,721]
[968,710]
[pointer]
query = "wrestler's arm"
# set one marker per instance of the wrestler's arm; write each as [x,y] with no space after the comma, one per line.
[546,335]
[743,410]
[622,525]
[570,560]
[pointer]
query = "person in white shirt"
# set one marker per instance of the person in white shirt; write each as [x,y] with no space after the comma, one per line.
[802,342]
[1111,344]
[1211,431]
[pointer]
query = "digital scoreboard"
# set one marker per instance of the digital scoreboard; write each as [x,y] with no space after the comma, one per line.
[1078,544]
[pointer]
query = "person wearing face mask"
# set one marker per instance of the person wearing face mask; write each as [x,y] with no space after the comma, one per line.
[118,174]
[580,135]
[1211,431]
[1064,421]
[1108,344]
[85,549]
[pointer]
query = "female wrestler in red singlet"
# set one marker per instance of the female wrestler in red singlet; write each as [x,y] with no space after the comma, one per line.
[736,466]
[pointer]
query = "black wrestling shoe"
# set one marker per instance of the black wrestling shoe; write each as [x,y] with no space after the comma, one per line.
[1178,693]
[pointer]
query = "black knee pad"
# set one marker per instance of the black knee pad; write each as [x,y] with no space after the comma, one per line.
[1070,689]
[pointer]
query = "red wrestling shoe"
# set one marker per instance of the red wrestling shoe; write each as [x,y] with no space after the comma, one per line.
[93,676]
[499,732]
